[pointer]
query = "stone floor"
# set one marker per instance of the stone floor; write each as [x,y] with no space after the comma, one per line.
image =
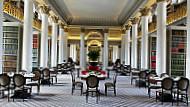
[59,95]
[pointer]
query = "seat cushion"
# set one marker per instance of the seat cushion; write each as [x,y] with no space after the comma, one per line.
[109,84]
[155,86]
[78,83]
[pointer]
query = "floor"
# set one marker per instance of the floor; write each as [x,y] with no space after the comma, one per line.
[59,95]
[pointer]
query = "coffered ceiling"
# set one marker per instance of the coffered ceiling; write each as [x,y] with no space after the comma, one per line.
[96,12]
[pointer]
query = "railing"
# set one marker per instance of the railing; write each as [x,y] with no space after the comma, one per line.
[18,13]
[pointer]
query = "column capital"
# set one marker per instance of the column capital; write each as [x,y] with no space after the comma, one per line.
[145,11]
[123,31]
[106,30]
[82,30]
[65,29]
[154,18]
[134,20]
[45,9]
[61,25]
[54,19]
[160,0]
[128,27]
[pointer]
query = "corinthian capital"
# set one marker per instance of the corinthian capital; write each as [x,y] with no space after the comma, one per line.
[145,11]
[45,9]
[61,25]
[135,20]
[160,0]
[106,30]
[54,19]
[128,27]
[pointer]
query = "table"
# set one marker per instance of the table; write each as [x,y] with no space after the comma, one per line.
[108,72]
[31,75]
[101,77]
[158,79]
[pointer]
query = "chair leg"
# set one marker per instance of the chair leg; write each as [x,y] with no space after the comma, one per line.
[81,90]
[114,91]
[149,92]
[87,97]
[38,88]
[156,96]
[131,81]
[8,95]
[172,97]
[187,99]
[106,90]
[72,89]
[162,98]
[97,96]
[56,79]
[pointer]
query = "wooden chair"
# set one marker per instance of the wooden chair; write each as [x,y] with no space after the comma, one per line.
[110,85]
[76,84]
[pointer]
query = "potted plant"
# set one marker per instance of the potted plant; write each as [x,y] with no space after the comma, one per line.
[93,57]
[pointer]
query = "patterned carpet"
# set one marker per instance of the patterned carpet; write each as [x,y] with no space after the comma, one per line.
[59,95]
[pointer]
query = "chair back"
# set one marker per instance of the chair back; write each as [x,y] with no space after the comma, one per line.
[128,67]
[142,74]
[183,84]
[167,83]
[19,80]
[92,81]
[115,78]
[73,77]
[37,74]
[4,80]
[59,66]
[46,72]
[65,66]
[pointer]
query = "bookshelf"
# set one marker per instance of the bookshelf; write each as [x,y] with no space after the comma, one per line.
[177,50]
[153,53]
[35,50]
[139,54]
[12,32]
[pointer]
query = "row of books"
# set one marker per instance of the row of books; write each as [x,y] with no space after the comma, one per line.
[178,39]
[9,69]
[174,67]
[10,28]
[177,50]
[177,62]
[10,64]
[10,51]
[153,57]
[178,56]
[35,36]
[153,65]
[153,53]
[177,73]
[178,45]
[35,50]
[180,33]
[9,58]
[35,46]
[10,46]
[10,35]
[10,41]
[35,59]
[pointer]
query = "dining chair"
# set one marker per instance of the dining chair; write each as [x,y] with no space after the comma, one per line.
[54,73]
[19,85]
[152,84]
[166,86]
[59,68]
[35,81]
[46,76]
[110,85]
[182,89]
[142,78]
[92,83]
[128,70]
[5,84]
[76,84]
[134,76]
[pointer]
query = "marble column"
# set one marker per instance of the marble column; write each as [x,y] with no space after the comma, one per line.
[161,38]
[61,32]
[65,44]
[82,51]
[44,36]
[105,63]
[27,36]
[134,42]
[127,45]
[1,34]
[144,37]
[188,45]
[54,41]
[123,46]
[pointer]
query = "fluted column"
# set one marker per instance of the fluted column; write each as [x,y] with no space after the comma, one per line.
[1,34]
[105,63]
[82,51]
[123,46]
[127,45]
[54,41]
[134,42]
[144,37]
[61,32]
[161,37]
[44,36]
[65,44]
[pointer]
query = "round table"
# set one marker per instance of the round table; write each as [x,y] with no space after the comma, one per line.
[100,77]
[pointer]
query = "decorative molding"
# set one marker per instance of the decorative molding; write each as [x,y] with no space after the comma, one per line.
[160,0]
[106,30]
[128,27]
[45,9]
[82,30]
[145,11]
[123,31]
[54,19]
[65,29]
[134,20]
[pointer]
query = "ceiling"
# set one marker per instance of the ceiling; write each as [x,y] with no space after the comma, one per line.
[96,12]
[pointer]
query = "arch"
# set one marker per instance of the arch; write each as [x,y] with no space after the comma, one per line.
[94,34]
[94,42]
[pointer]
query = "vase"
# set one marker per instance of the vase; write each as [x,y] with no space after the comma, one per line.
[93,63]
